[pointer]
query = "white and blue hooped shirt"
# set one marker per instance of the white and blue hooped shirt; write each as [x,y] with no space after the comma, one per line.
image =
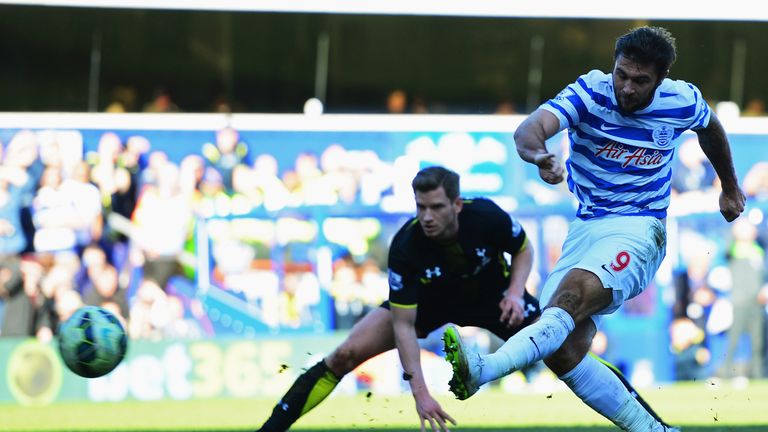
[620,164]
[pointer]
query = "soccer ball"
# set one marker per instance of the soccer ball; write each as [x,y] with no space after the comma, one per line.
[92,342]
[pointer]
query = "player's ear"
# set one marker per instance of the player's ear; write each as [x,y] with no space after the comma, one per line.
[458,204]
[662,76]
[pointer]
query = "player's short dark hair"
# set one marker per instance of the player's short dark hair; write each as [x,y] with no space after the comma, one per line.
[648,45]
[431,178]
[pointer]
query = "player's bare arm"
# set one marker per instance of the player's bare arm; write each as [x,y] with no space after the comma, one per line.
[429,410]
[530,140]
[513,305]
[714,143]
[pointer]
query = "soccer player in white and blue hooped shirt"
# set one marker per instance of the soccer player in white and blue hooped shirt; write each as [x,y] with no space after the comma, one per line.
[623,128]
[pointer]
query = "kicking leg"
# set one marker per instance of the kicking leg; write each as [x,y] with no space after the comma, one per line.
[371,336]
[579,296]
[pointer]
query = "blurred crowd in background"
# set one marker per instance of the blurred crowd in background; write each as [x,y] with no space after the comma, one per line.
[117,227]
[125,99]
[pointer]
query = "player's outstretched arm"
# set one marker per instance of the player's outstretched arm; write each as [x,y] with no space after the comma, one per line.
[530,140]
[714,143]
[512,305]
[429,410]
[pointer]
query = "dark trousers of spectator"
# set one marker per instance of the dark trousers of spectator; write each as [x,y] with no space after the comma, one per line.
[161,269]
[19,311]
[746,320]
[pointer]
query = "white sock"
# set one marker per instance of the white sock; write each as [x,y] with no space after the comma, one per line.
[529,345]
[632,417]
[602,390]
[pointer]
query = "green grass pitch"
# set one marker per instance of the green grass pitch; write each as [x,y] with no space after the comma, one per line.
[697,407]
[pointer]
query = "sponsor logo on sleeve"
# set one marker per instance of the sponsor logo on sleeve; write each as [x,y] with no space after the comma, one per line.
[395,281]
[516,228]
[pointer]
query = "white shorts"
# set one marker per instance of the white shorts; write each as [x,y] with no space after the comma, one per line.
[623,251]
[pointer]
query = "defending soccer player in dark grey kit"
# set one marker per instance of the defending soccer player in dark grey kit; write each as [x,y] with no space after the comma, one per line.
[446,265]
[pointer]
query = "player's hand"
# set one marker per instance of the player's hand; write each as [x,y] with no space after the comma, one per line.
[431,412]
[512,310]
[732,203]
[549,169]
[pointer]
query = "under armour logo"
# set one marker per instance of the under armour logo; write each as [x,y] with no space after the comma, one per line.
[529,308]
[432,272]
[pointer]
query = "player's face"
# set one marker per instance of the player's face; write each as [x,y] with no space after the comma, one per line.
[634,84]
[437,214]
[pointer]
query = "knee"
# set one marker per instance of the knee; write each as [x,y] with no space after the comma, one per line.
[343,360]
[581,294]
[564,359]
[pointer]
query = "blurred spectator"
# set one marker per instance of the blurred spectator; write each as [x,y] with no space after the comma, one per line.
[213,198]
[687,347]
[87,205]
[342,173]
[756,181]
[119,208]
[66,214]
[694,171]
[104,161]
[93,261]
[695,296]
[267,180]
[747,264]
[122,99]
[12,239]
[20,159]
[155,162]
[161,102]
[300,292]
[104,288]
[63,149]
[247,195]
[55,215]
[56,298]
[755,107]
[66,302]
[23,169]
[419,105]
[356,289]
[226,154]
[191,171]
[221,104]
[18,317]
[149,312]
[397,102]
[132,158]
[179,326]
[119,197]
[307,183]
[161,225]
[506,107]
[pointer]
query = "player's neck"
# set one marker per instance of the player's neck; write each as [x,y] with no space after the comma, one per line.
[451,236]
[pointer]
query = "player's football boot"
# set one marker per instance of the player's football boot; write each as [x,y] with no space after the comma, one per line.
[466,364]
